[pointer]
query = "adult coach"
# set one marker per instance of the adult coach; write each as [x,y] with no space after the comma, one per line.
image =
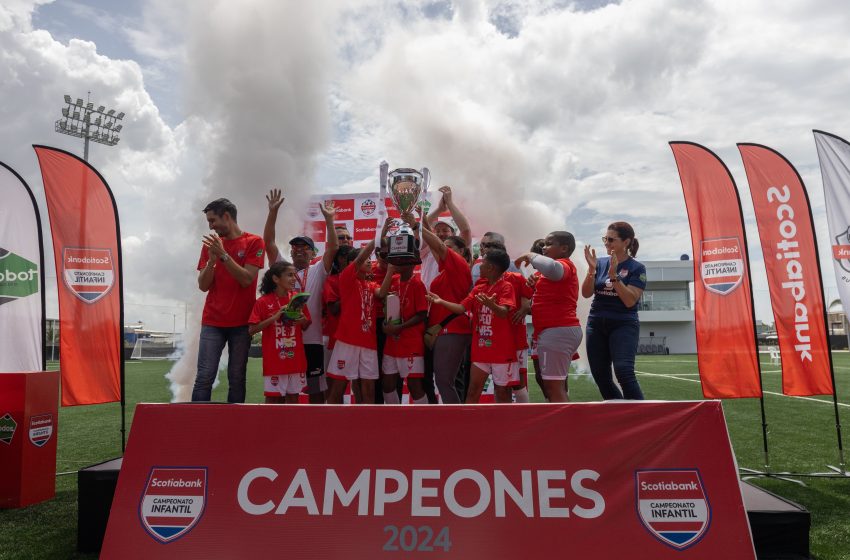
[616,283]
[230,260]
[310,277]
[553,311]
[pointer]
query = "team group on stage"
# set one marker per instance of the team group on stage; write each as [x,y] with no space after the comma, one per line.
[458,321]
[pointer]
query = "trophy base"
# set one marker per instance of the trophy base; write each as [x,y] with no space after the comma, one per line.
[403,260]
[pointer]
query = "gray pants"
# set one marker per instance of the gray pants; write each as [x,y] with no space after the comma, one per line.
[448,357]
[555,349]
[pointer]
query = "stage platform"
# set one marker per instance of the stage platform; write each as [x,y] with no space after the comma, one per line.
[780,527]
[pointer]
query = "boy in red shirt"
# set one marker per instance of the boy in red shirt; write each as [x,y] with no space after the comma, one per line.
[553,311]
[284,361]
[493,349]
[355,354]
[404,349]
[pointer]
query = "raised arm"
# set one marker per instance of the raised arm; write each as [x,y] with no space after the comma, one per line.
[331,243]
[451,306]
[587,284]
[462,223]
[384,290]
[275,199]
[438,248]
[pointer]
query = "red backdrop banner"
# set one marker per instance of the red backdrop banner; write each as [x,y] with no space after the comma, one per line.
[790,253]
[318,482]
[727,355]
[86,249]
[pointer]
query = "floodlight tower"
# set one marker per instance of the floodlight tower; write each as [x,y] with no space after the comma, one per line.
[88,123]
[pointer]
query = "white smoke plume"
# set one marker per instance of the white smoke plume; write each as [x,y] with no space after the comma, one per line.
[258,81]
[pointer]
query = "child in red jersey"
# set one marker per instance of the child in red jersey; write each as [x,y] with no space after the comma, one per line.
[404,350]
[355,354]
[493,348]
[553,311]
[523,294]
[284,361]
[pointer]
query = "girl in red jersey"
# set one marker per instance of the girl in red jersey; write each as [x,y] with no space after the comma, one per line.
[284,361]
[493,349]
[404,350]
[553,311]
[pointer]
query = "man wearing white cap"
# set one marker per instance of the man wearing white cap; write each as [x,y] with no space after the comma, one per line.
[309,278]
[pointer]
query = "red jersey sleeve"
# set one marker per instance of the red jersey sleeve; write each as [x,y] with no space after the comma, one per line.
[204,258]
[255,253]
[256,313]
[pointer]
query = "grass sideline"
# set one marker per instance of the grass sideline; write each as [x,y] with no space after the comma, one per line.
[802,439]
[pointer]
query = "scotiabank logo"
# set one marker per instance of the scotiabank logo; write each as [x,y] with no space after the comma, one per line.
[87,272]
[173,501]
[722,265]
[41,428]
[672,506]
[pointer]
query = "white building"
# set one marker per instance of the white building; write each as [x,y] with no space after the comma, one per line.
[666,309]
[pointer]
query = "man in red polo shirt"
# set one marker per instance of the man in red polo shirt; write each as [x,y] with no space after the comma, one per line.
[230,260]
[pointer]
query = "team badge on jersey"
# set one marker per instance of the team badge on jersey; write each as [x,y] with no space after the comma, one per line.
[88,273]
[672,505]
[173,501]
[41,428]
[722,265]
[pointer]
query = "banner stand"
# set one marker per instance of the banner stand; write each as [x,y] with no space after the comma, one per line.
[755,158]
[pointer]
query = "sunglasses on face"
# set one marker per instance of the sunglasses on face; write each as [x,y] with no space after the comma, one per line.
[492,246]
[344,237]
[609,239]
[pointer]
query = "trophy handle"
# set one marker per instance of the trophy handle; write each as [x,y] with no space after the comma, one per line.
[383,174]
[426,180]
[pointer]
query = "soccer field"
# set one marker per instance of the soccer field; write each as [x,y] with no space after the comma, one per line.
[802,439]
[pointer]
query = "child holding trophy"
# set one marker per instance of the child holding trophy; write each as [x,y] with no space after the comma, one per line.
[493,349]
[355,354]
[404,350]
[281,315]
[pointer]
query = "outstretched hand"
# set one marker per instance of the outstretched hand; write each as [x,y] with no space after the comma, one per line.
[487,300]
[524,258]
[433,298]
[275,199]
[590,256]
[447,195]
[612,270]
[328,209]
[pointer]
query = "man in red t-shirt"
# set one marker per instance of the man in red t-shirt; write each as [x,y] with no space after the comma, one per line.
[493,349]
[404,350]
[230,260]
[553,311]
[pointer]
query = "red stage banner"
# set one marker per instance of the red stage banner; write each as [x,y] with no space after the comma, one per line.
[498,487]
[788,242]
[726,341]
[87,252]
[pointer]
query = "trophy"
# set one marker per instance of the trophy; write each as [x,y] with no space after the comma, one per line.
[406,187]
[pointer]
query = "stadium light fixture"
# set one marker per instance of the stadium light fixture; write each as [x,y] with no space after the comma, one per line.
[88,123]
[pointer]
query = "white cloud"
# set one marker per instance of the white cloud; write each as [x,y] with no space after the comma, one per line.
[542,115]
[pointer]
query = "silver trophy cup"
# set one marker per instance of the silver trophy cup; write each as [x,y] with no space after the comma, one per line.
[406,187]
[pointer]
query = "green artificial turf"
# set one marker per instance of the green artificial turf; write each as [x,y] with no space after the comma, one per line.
[802,439]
